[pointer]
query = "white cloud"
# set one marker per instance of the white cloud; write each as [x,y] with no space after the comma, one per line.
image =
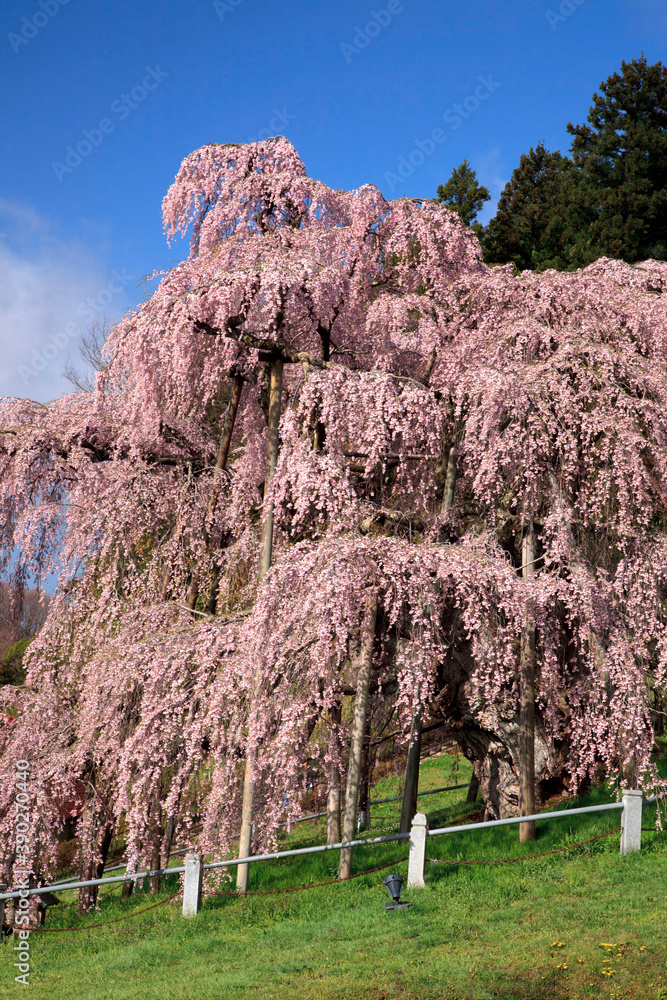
[50,293]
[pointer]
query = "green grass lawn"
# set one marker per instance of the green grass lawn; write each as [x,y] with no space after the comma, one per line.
[586,924]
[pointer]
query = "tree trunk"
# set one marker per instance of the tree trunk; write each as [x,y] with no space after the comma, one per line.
[409,807]
[357,736]
[527,710]
[169,831]
[88,895]
[333,792]
[155,862]
[364,811]
[245,838]
[450,478]
[411,788]
[473,789]
[272,440]
[220,463]
[156,838]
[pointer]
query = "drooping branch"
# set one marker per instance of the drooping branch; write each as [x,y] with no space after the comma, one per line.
[265,344]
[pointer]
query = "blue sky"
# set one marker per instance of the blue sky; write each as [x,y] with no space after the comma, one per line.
[358,87]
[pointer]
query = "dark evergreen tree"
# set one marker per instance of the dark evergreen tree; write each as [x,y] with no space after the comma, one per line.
[608,200]
[620,158]
[463,193]
[528,228]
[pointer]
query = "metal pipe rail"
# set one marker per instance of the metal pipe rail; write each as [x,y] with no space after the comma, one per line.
[275,855]
[526,819]
[300,819]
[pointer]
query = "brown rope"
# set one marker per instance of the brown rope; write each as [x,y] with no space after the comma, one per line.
[315,885]
[256,892]
[104,923]
[526,857]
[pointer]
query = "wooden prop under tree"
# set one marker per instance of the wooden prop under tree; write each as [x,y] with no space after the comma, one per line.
[333,790]
[272,444]
[527,707]
[358,730]
[411,787]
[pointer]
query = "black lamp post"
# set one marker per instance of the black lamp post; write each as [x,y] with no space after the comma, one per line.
[394,884]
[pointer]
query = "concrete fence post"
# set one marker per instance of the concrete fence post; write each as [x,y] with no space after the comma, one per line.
[631,821]
[192,887]
[417,859]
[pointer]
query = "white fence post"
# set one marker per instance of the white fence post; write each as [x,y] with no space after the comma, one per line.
[631,821]
[417,859]
[192,887]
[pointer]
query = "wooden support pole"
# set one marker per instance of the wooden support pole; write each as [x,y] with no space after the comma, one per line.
[333,792]
[527,706]
[450,478]
[411,787]
[409,806]
[357,736]
[272,442]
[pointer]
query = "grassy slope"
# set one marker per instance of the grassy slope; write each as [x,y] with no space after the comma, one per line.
[474,932]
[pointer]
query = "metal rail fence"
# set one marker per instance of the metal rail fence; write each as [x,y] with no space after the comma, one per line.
[194,867]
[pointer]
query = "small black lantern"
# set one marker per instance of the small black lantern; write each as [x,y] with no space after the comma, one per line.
[394,884]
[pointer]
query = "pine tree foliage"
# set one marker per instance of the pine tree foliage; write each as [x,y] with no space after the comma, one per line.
[608,199]
[621,160]
[528,229]
[463,193]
